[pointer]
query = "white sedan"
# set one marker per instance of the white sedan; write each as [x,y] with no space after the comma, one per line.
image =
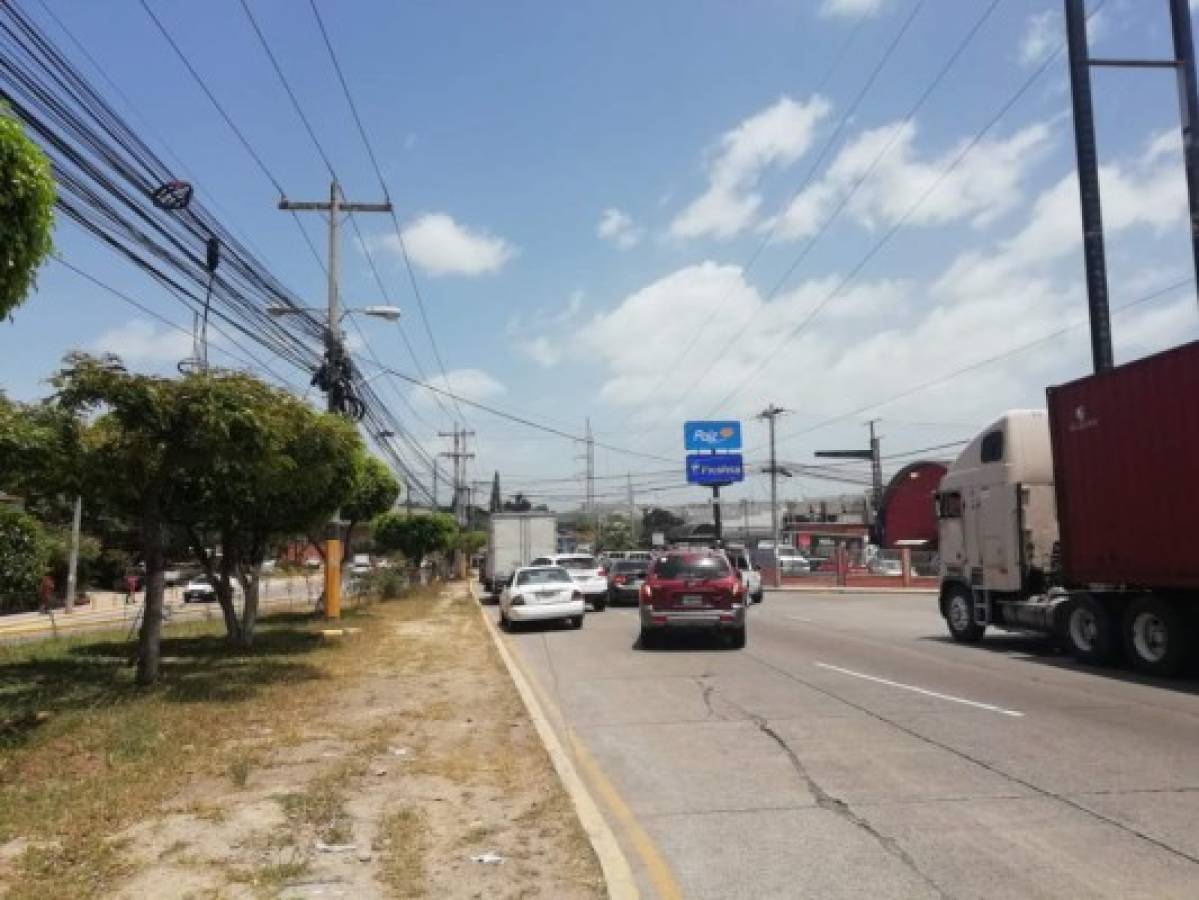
[589,576]
[540,594]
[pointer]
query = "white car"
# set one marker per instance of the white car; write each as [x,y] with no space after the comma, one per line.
[361,565]
[585,571]
[199,590]
[751,575]
[540,594]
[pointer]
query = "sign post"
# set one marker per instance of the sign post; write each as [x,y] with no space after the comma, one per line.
[709,462]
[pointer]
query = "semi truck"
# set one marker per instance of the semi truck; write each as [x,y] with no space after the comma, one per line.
[513,540]
[1079,521]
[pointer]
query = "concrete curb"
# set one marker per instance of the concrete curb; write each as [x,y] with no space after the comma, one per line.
[618,874]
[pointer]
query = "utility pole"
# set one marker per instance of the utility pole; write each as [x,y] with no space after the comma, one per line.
[73,564]
[874,457]
[334,361]
[632,512]
[1081,62]
[592,510]
[459,455]
[770,413]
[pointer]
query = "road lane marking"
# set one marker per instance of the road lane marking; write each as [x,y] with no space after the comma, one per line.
[919,690]
[799,618]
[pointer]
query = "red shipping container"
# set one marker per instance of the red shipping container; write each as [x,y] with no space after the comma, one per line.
[1126,471]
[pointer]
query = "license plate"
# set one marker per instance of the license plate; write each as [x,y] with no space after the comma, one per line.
[693,600]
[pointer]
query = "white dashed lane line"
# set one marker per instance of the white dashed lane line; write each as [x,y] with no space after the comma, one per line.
[919,690]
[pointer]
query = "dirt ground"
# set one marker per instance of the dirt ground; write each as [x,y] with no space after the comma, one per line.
[421,758]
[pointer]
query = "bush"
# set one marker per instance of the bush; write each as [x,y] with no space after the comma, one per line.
[386,584]
[23,560]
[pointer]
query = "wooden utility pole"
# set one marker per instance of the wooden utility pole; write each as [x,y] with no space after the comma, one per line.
[334,361]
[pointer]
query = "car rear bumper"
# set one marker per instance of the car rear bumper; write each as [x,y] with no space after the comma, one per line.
[540,612]
[693,618]
[626,594]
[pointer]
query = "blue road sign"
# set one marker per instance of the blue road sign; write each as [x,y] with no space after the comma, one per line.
[711,435]
[717,468]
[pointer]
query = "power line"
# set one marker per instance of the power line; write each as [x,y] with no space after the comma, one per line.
[902,221]
[416,291]
[998,357]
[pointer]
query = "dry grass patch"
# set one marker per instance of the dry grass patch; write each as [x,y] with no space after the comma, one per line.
[403,843]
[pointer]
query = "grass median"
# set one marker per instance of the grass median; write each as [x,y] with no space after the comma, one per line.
[390,755]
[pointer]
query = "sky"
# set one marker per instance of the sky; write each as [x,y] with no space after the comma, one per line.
[642,213]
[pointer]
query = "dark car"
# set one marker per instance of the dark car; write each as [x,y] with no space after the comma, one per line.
[625,578]
[692,589]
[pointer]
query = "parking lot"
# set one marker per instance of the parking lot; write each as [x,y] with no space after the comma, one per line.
[852,750]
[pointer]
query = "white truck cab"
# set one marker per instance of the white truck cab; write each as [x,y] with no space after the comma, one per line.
[997,520]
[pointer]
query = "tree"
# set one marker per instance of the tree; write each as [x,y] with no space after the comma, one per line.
[471,542]
[616,534]
[221,456]
[416,536]
[23,558]
[657,519]
[261,464]
[374,491]
[26,212]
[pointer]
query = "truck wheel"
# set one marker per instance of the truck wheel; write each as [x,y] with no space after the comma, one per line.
[959,616]
[599,604]
[1091,632]
[1155,636]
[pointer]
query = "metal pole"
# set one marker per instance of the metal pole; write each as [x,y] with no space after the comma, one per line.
[73,564]
[632,512]
[716,515]
[333,341]
[1088,185]
[1188,102]
[774,504]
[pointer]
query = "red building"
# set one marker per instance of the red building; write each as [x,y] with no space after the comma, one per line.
[908,511]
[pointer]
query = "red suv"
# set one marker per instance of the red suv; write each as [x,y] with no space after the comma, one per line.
[692,589]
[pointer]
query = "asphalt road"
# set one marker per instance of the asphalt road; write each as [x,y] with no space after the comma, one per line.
[852,750]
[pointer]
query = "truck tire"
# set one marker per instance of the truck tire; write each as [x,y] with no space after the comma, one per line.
[959,616]
[1091,631]
[599,604]
[1156,635]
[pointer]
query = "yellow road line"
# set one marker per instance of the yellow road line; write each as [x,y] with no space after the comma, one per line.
[660,874]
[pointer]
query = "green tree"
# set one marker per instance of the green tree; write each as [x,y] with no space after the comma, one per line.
[375,490]
[471,542]
[26,212]
[416,536]
[23,559]
[656,519]
[615,535]
[259,464]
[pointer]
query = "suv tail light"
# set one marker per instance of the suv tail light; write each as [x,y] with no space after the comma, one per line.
[619,579]
[647,593]
[602,571]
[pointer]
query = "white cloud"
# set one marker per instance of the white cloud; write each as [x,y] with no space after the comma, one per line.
[887,176]
[879,338]
[441,246]
[543,351]
[776,136]
[1045,31]
[139,341]
[618,227]
[851,8]
[471,384]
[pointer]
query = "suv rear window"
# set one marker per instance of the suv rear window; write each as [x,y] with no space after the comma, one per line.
[691,567]
[576,563]
[629,565]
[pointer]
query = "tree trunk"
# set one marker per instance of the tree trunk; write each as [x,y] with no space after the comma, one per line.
[224,596]
[149,642]
[249,612]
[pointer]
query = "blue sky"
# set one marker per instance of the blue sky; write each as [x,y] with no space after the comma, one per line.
[583,186]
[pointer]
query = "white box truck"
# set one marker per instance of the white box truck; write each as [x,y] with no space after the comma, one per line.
[514,539]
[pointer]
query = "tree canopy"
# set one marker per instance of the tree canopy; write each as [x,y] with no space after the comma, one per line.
[26,212]
[23,558]
[416,536]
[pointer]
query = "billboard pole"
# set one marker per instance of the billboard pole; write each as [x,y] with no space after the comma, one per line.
[716,515]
